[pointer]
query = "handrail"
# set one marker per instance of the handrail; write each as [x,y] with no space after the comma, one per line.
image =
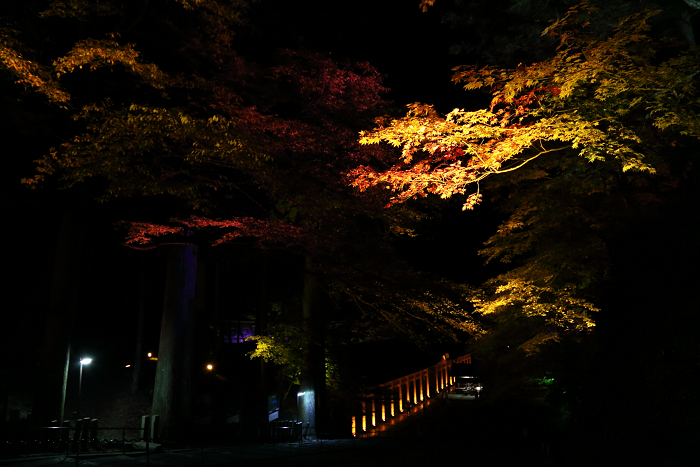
[399,398]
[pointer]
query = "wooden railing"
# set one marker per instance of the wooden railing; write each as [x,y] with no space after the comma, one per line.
[398,399]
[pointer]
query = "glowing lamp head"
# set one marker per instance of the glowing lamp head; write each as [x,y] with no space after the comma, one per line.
[150,354]
[85,361]
[210,367]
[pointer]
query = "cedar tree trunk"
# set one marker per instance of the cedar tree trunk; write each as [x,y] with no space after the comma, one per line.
[142,318]
[50,397]
[172,390]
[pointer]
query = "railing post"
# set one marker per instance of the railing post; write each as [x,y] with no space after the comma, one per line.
[383,396]
[420,386]
[421,381]
[364,416]
[415,389]
[427,383]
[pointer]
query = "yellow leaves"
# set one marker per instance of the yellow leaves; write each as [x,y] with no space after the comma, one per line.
[533,345]
[418,109]
[476,78]
[28,73]
[636,165]
[442,156]
[78,9]
[536,299]
[508,226]
[424,4]
[99,53]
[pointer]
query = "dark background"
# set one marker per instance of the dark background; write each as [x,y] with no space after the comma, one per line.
[640,371]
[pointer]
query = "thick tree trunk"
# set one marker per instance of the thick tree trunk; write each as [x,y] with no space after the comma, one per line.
[139,336]
[54,357]
[313,377]
[685,26]
[172,391]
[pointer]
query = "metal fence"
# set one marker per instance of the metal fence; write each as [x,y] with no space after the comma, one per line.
[70,439]
[86,436]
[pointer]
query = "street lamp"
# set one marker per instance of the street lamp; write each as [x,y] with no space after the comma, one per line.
[83,361]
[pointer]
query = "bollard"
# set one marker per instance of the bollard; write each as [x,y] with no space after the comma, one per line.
[145,433]
[76,440]
[93,430]
[76,434]
[65,432]
[86,429]
[155,428]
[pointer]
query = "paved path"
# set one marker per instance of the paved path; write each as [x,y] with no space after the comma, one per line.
[336,452]
[449,432]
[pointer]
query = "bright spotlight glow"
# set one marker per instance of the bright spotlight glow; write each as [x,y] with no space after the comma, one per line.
[85,361]
[150,354]
[210,367]
[300,393]
[128,366]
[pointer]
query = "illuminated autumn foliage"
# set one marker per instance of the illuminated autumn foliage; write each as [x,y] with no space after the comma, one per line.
[241,151]
[560,142]
[586,98]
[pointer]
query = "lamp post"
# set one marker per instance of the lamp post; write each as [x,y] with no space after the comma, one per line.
[83,361]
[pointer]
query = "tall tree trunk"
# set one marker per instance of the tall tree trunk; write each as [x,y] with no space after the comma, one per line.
[261,325]
[172,390]
[50,397]
[685,26]
[313,380]
[218,407]
[142,318]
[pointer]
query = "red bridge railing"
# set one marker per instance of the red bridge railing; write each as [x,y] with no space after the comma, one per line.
[402,397]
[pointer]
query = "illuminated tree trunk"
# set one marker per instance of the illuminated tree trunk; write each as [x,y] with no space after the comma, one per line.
[172,391]
[54,355]
[311,390]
